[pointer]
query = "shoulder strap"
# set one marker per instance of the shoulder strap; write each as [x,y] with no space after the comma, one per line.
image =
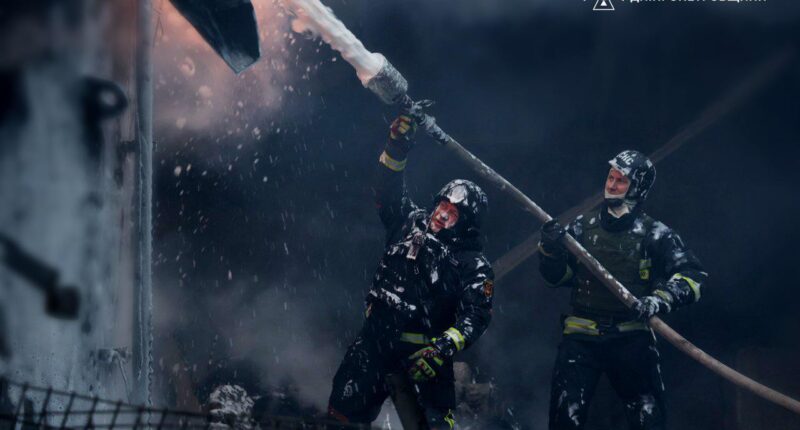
[590,220]
[649,223]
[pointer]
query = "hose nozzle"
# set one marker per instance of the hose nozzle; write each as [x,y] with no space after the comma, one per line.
[389,85]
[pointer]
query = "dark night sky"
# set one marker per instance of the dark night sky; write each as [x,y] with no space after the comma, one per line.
[274,255]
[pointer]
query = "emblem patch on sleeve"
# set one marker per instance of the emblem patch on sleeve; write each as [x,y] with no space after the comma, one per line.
[488,287]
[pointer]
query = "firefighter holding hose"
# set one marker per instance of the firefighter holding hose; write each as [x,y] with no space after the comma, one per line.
[431,295]
[602,335]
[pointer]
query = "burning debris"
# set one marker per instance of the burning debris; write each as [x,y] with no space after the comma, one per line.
[231,407]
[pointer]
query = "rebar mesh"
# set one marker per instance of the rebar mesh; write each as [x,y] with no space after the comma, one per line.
[28,407]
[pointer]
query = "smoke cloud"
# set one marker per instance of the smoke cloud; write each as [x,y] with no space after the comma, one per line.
[196,92]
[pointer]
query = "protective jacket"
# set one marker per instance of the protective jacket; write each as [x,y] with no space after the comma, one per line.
[643,254]
[426,283]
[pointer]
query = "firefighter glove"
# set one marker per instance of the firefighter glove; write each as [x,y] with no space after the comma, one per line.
[550,243]
[401,134]
[403,128]
[425,363]
[648,306]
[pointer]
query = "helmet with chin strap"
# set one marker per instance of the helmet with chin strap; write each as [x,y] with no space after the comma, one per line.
[639,170]
[470,200]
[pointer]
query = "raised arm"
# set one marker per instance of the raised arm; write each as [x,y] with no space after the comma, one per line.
[391,197]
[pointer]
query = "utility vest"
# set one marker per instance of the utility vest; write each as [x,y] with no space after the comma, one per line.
[623,253]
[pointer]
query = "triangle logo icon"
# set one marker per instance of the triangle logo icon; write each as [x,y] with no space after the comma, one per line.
[603,5]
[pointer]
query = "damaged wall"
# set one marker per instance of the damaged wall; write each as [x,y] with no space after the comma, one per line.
[67,183]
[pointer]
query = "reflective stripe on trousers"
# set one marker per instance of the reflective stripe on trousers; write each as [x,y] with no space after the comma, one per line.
[573,324]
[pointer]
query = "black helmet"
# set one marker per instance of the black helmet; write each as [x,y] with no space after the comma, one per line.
[639,170]
[470,200]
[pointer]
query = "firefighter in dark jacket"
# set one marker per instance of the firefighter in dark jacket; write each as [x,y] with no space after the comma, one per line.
[431,295]
[602,335]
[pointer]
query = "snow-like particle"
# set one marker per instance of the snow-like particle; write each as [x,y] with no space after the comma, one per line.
[231,407]
[187,67]
[180,123]
[205,92]
[177,171]
[572,410]
[659,229]
[638,226]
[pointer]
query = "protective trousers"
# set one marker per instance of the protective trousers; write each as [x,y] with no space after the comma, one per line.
[631,362]
[360,385]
